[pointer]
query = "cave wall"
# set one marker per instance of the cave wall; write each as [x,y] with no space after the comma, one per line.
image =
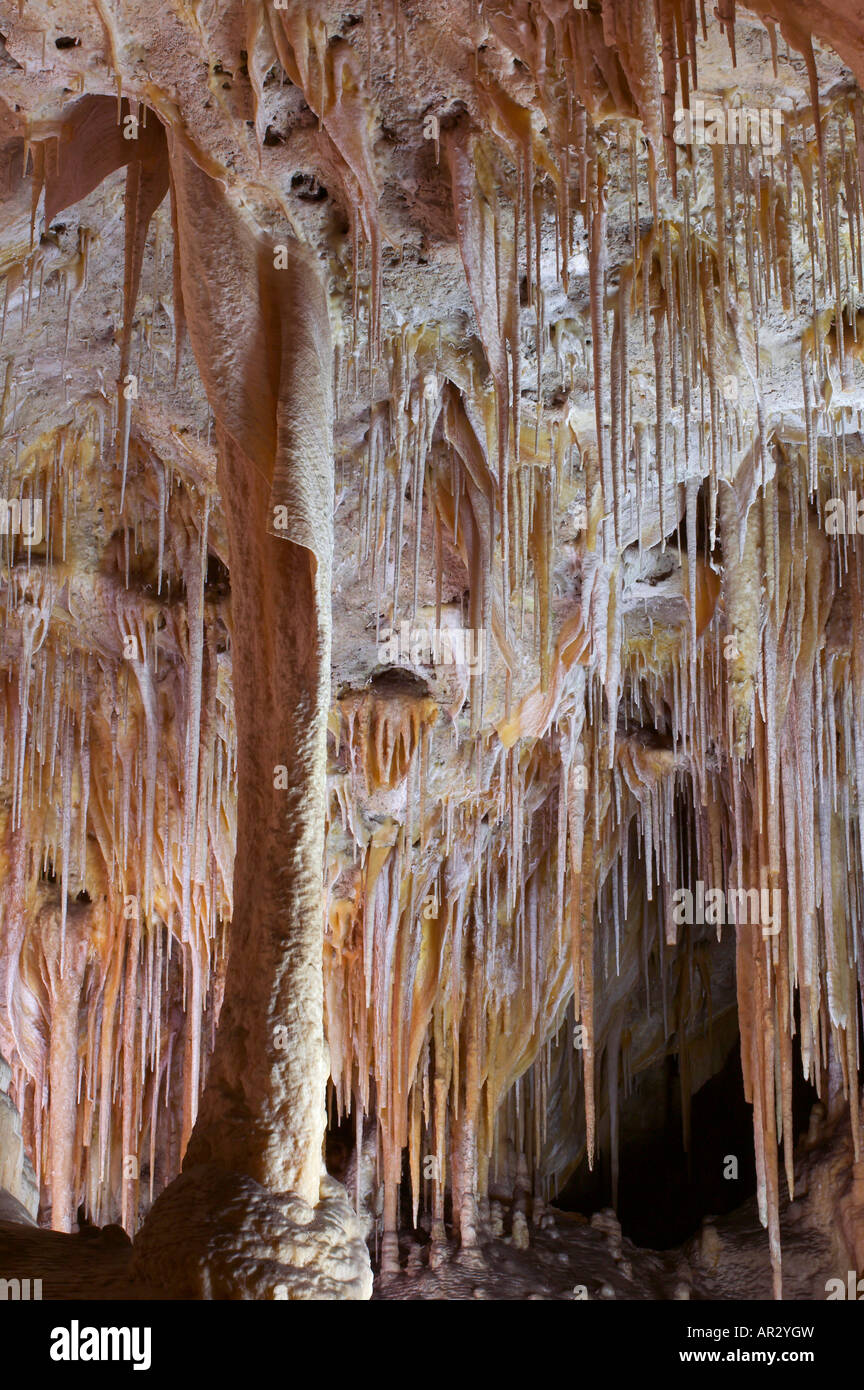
[595,634]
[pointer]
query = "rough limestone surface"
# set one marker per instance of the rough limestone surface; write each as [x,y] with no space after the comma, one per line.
[219,1235]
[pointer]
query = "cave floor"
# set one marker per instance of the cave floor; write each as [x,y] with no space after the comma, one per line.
[90,1267]
[568,1258]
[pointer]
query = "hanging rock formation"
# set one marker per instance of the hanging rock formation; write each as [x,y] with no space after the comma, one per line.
[431,661]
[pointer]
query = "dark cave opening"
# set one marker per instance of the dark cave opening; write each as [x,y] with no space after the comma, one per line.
[663,1192]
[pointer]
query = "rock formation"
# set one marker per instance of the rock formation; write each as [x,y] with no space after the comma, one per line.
[432,651]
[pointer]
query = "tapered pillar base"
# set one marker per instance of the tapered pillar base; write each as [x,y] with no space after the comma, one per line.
[218,1235]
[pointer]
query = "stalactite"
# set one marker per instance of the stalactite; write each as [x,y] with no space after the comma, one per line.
[606,753]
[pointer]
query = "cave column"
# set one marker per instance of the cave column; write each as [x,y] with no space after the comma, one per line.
[262,1112]
[258,322]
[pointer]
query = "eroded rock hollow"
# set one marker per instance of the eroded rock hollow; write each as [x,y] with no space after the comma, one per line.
[432,648]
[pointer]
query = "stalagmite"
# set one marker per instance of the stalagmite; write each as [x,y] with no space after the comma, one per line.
[261,1114]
